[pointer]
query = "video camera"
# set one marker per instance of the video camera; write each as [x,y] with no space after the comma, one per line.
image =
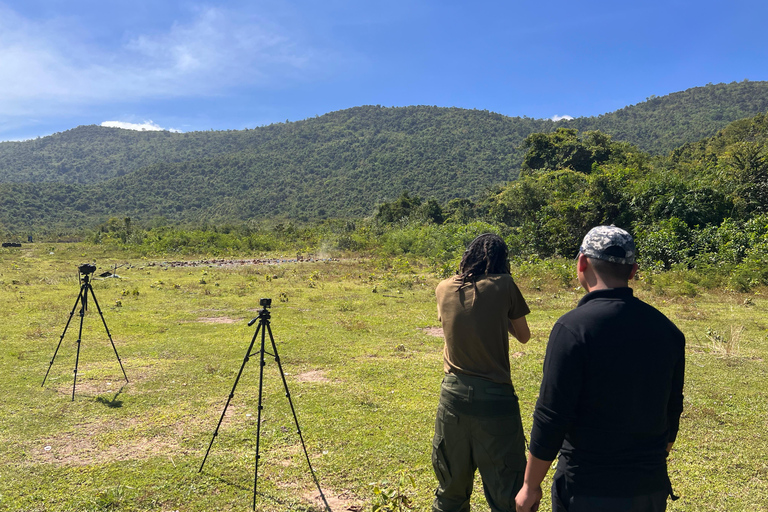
[87,268]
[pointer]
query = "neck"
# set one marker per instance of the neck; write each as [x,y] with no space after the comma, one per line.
[605,285]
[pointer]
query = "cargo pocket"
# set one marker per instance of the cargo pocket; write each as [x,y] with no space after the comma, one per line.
[439,461]
[444,423]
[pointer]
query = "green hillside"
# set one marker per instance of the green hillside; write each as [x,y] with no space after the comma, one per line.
[663,123]
[342,164]
[406,137]
[89,154]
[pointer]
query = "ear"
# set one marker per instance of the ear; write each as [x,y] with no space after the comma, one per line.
[582,263]
[634,271]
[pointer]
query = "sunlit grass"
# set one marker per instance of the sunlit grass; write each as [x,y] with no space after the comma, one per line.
[363,371]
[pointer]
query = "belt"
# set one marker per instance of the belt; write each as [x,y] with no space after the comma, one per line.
[478,397]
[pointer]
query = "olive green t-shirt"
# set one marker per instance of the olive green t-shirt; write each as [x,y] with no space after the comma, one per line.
[475,320]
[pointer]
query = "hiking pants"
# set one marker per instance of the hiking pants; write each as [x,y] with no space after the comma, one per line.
[477,427]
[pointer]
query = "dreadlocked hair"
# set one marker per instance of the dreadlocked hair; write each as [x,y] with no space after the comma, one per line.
[486,254]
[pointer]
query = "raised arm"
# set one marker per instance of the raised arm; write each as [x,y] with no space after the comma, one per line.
[519,329]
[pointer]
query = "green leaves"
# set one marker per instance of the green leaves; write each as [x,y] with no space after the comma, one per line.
[392,496]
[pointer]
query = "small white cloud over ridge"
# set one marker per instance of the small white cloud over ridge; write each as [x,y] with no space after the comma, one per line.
[146,126]
[560,118]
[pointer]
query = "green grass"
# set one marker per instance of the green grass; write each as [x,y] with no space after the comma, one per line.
[363,374]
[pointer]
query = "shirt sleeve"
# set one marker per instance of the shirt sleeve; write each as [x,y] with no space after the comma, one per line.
[518,307]
[558,397]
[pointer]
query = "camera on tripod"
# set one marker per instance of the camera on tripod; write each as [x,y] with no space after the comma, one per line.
[82,298]
[87,268]
[265,303]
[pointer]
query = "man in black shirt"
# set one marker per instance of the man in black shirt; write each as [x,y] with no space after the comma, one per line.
[611,395]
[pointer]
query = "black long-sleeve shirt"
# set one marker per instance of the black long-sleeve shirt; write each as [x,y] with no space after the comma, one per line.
[611,395]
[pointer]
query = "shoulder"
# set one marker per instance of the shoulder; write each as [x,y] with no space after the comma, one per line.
[448,282]
[451,282]
[659,317]
[499,280]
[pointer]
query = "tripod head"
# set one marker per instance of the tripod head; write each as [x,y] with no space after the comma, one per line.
[263,312]
[86,268]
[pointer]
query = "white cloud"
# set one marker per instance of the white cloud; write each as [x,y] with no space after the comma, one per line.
[148,126]
[560,118]
[51,67]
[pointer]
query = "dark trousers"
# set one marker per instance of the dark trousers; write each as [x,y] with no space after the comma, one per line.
[477,427]
[564,501]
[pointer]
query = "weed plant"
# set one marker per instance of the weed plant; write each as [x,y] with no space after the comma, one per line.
[363,368]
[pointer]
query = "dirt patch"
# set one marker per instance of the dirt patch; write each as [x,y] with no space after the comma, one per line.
[433,331]
[216,320]
[90,387]
[312,376]
[81,447]
[341,502]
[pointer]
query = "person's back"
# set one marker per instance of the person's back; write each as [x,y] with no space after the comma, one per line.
[628,356]
[475,317]
[611,392]
[478,425]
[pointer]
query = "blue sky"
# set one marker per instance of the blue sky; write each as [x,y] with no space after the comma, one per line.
[229,64]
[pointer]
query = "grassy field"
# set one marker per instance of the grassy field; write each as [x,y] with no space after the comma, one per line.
[357,342]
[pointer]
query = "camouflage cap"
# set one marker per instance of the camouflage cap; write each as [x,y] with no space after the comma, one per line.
[609,243]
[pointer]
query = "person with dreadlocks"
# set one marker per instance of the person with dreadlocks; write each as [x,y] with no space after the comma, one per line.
[478,422]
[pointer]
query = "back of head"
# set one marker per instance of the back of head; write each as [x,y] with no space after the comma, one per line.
[611,252]
[609,271]
[486,254]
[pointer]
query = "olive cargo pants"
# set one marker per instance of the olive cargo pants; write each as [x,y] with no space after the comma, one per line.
[477,427]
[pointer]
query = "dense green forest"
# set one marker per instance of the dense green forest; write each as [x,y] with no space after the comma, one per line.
[360,139]
[424,181]
[342,164]
[701,210]
[662,123]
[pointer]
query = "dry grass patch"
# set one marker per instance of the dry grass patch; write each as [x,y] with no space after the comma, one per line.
[81,449]
[433,331]
[101,442]
[217,320]
[341,502]
[312,376]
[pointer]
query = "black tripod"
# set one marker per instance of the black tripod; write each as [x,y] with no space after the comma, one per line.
[263,326]
[82,298]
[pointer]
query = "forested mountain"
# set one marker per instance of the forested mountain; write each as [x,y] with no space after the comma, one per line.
[89,154]
[661,124]
[406,138]
[341,164]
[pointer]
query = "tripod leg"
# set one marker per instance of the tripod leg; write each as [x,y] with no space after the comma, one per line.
[107,329]
[295,418]
[231,394]
[265,323]
[71,314]
[79,339]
